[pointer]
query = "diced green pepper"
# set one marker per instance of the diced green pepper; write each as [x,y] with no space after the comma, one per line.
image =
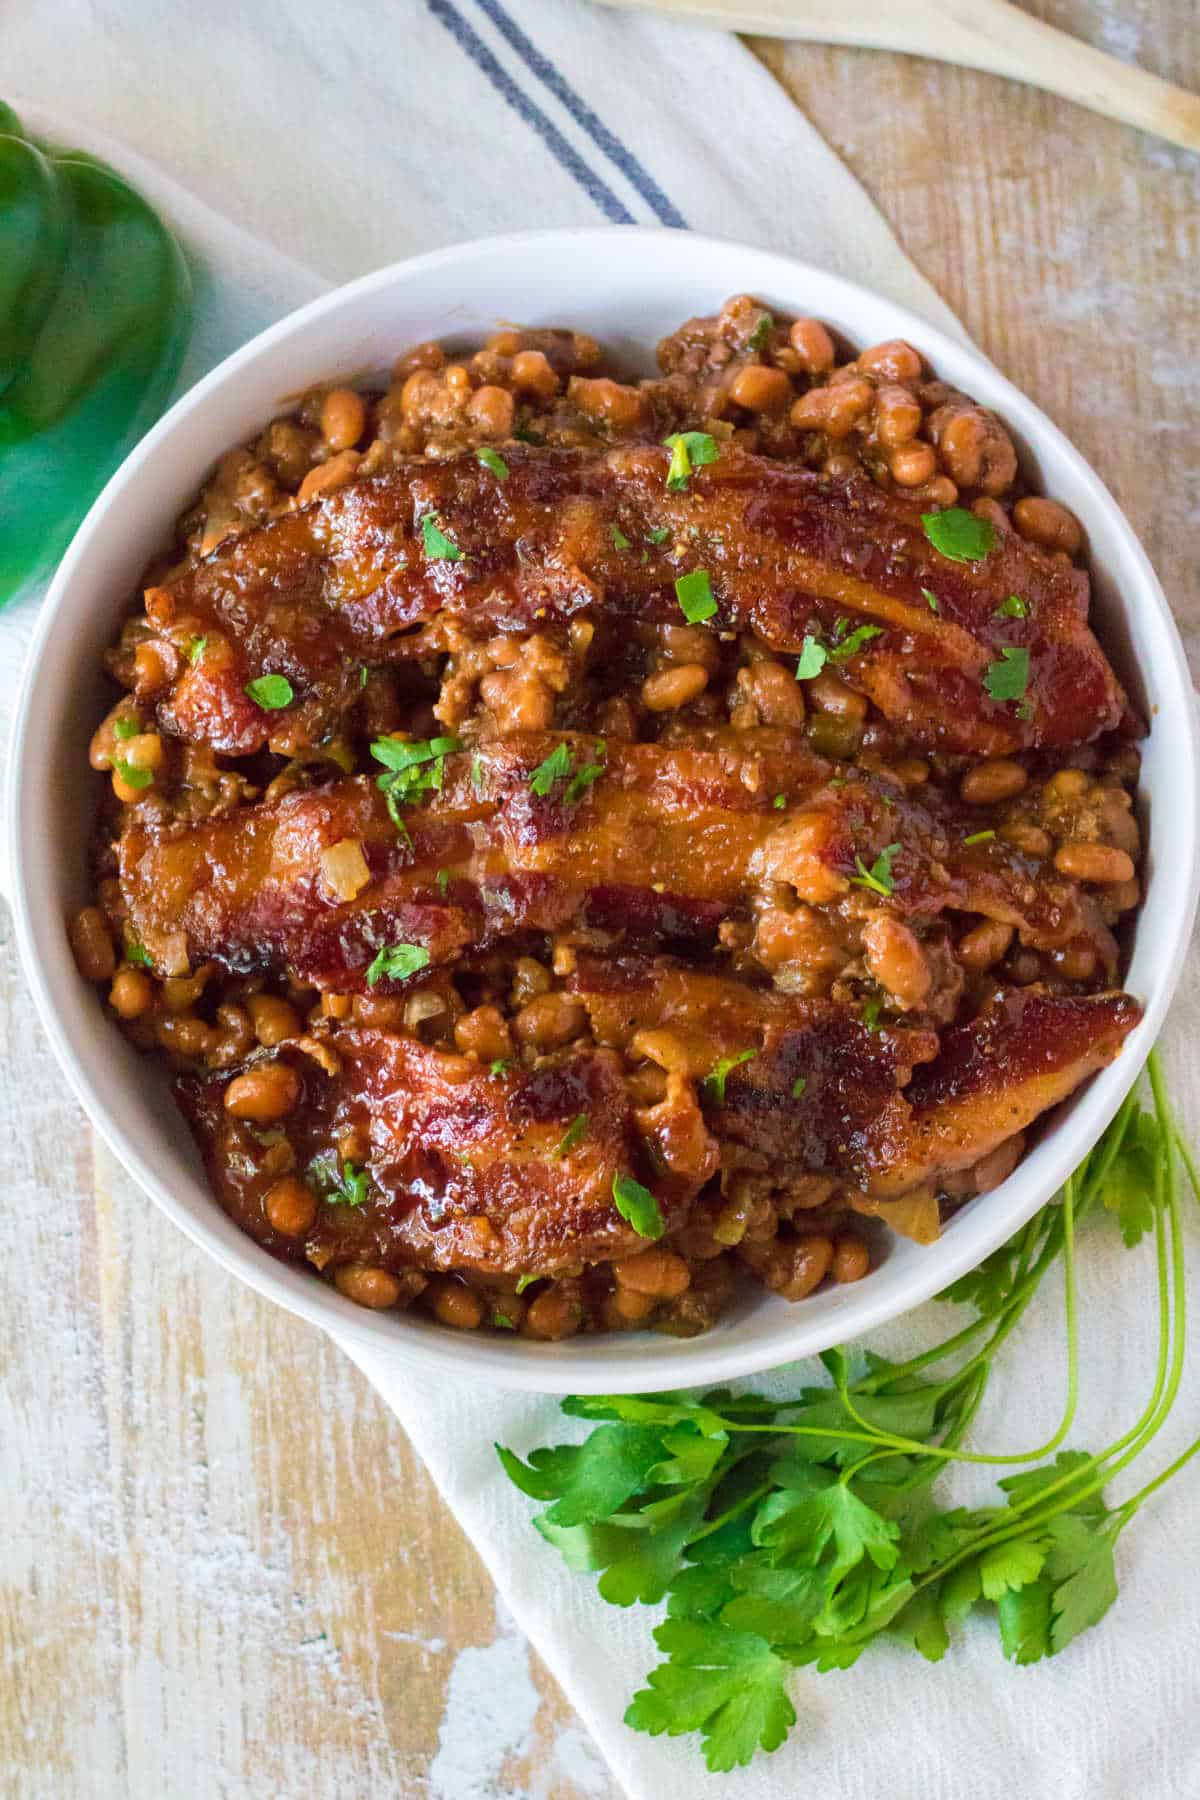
[95,311]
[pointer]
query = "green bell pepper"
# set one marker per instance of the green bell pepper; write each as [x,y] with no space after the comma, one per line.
[95,313]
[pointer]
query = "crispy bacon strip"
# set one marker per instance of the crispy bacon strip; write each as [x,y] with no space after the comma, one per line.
[663,846]
[816,1081]
[992,1078]
[465,1169]
[320,592]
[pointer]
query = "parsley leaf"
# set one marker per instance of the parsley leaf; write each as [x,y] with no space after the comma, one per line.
[195,648]
[396,962]
[931,600]
[1008,678]
[555,767]
[338,1183]
[779,802]
[413,768]
[131,774]
[959,535]
[870,1011]
[437,546]
[271,692]
[878,877]
[500,1067]
[619,540]
[695,596]
[659,535]
[728,1685]
[798,1087]
[492,459]
[137,954]
[714,1081]
[760,337]
[813,657]
[638,1206]
[689,450]
[442,878]
[979,837]
[524,1281]
[1012,608]
[847,647]
[1128,1187]
[126,728]
[574,1134]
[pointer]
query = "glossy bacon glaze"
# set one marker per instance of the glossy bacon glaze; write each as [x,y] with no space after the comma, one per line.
[320,592]
[781,952]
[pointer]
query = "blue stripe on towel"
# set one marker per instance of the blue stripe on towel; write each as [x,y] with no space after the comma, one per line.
[638,176]
[473,46]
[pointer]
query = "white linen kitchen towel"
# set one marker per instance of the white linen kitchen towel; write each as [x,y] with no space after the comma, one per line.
[347,137]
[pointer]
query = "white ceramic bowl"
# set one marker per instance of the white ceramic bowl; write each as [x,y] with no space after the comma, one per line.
[628,287]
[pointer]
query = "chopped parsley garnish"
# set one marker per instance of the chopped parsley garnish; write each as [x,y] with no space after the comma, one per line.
[779,802]
[477,774]
[503,1321]
[878,877]
[126,728]
[958,534]
[695,596]
[931,599]
[411,769]
[843,648]
[131,775]
[363,675]
[813,657]
[870,1012]
[1008,678]
[637,1206]
[814,654]
[760,337]
[195,648]
[660,534]
[271,692]
[1013,608]
[714,1081]
[524,1281]
[555,767]
[492,459]
[619,540]
[500,1067]
[443,882]
[437,546]
[979,837]
[397,962]
[559,765]
[341,1184]
[574,1134]
[137,954]
[583,778]
[689,450]
[798,1087]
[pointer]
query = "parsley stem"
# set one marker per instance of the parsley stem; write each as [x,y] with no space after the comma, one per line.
[1080,1483]
[740,1506]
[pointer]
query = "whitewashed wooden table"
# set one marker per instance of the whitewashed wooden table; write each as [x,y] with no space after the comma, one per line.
[222,1570]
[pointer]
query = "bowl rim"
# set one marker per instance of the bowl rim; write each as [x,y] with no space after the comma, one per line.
[587,1364]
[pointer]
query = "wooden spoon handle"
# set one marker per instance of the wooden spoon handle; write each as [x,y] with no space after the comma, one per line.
[979,34]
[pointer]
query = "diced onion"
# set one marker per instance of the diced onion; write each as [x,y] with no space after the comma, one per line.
[172,953]
[344,868]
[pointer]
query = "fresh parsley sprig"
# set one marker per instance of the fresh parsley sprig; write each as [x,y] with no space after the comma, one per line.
[797,1533]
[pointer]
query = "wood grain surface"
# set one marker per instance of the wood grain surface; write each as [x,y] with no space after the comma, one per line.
[188,1446]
